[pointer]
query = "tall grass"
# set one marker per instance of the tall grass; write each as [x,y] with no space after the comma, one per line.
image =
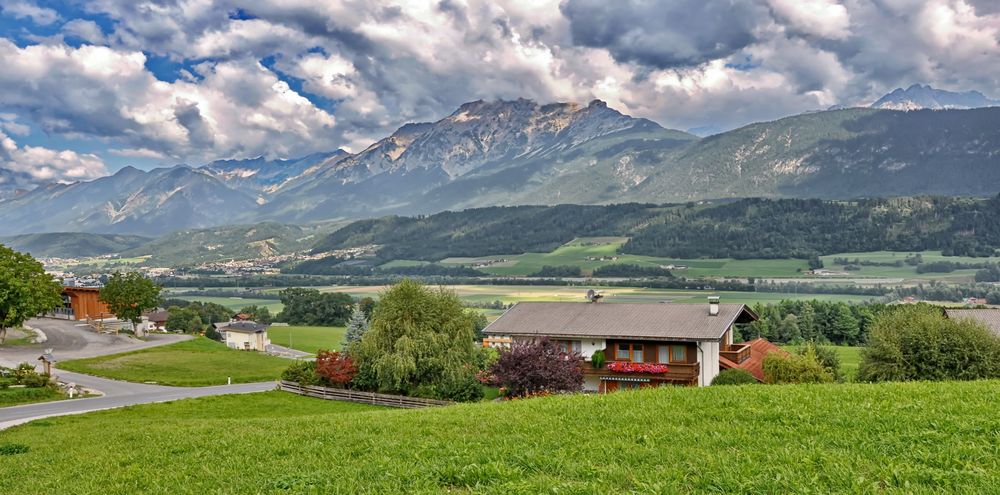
[856,438]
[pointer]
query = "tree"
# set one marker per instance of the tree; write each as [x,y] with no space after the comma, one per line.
[805,368]
[788,329]
[827,356]
[183,320]
[367,305]
[129,294]
[919,343]
[336,368]
[844,327]
[356,327]
[312,307]
[420,343]
[815,263]
[25,289]
[260,314]
[807,322]
[538,366]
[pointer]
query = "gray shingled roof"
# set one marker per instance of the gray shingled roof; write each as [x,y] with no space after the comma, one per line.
[242,327]
[988,317]
[623,321]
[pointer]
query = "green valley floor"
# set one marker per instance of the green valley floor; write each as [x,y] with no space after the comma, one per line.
[855,438]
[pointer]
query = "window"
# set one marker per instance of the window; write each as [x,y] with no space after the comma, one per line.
[629,352]
[568,346]
[672,354]
[624,352]
[678,354]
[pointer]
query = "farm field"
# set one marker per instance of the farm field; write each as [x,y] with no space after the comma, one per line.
[18,396]
[853,438]
[603,249]
[516,293]
[192,363]
[234,303]
[307,339]
[850,358]
[591,252]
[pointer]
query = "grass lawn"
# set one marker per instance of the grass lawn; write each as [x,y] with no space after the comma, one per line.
[308,339]
[18,396]
[192,363]
[850,358]
[853,438]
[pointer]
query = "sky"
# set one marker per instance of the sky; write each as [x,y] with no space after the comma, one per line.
[92,86]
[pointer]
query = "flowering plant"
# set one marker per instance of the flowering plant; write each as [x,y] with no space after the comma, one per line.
[646,368]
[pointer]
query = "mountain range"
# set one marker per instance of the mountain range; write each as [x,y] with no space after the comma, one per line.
[918,97]
[521,152]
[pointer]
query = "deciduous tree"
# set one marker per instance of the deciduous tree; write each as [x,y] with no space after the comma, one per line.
[420,343]
[336,368]
[25,289]
[129,294]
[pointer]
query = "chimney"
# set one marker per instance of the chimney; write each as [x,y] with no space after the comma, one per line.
[713,305]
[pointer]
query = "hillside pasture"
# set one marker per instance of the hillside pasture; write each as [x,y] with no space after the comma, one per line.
[234,303]
[191,363]
[854,438]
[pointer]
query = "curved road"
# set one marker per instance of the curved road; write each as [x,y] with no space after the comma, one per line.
[72,340]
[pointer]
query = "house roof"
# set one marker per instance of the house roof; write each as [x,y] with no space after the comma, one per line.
[759,349]
[242,327]
[689,322]
[988,317]
[159,315]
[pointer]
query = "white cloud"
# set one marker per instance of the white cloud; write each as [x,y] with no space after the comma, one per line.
[85,30]
[48,165]
[380,64]
[25,9]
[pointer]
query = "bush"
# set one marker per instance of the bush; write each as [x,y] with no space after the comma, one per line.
[303,373]
[920,343]
[827,356]
[734,377]
[335,368]
[537,366]
[779,368]
[597,359]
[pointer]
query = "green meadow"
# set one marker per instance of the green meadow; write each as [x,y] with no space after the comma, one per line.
[191,363]
[18,396]
[835,438]
[307,339]
[235,303]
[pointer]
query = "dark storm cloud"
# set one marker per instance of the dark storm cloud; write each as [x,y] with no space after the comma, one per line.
[667,33]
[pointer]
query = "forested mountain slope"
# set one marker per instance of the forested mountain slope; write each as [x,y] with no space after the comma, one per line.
[751,228]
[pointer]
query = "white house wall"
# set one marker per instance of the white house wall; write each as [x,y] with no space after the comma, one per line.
[708,356]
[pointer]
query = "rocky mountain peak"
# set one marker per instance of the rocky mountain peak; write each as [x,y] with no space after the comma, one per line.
[923,96]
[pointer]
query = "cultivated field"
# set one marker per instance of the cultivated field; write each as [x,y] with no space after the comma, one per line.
[308,339]
[234,303]
[192,363]
[855,438]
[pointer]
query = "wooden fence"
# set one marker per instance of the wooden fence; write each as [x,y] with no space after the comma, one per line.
[360,397]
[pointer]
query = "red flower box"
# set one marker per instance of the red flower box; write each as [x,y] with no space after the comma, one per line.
[644,368]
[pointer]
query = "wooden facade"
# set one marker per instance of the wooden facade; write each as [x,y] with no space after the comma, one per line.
[680,357]
[84,303]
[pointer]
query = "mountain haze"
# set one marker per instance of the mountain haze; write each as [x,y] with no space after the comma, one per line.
[918,97]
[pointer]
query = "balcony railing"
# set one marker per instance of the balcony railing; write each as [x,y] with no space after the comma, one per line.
[675,371]
[736,353]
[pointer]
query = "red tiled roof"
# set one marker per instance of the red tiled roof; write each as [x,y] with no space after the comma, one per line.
[759,348]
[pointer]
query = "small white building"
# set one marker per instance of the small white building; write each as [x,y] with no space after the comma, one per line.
[244,335]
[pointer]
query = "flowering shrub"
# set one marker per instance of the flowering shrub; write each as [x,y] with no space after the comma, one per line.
[646,368]
[335,367]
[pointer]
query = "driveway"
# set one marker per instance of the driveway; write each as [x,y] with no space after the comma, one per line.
[71,340]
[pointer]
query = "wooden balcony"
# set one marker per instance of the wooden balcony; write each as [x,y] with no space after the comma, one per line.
[686,373]
[736,353]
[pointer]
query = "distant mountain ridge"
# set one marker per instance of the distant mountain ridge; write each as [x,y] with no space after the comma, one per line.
[501,153]
[917,97]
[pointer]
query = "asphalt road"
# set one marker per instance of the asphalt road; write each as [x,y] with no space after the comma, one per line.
[71,340]
[11,416]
